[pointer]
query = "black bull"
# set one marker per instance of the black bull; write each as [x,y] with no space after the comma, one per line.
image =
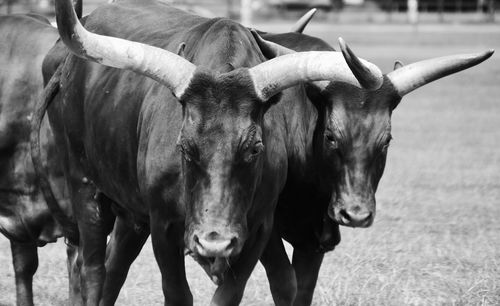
[123,141]
[28,39]
[322,149]
[24,217]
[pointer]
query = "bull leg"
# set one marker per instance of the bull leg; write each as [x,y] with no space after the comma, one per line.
[123,248]
[93,234]
[25,260]
[74,266]
[306,265]
[168,248]
[280,272]
[231,291]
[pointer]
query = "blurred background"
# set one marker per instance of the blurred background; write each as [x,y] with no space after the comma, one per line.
[345,11]
[436,237]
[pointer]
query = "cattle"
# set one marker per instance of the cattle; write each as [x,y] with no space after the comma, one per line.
[24,217]
[179,143]
[352,134]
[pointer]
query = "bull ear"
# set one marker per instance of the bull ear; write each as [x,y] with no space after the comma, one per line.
[161,65]
[301,24]
[180,49]
[415,75]
[398,64]
[269,48]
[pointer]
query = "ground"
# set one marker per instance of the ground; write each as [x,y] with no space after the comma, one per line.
[436,237]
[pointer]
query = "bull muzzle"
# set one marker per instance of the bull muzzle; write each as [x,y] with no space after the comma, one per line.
[216,244]
[356,215]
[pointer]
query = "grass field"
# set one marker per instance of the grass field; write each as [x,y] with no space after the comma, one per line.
[436,237]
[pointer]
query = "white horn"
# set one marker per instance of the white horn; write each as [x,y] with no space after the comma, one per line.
[163,66]
[413,76]
[288,70]
[301,24]
[368,78]
[270,49]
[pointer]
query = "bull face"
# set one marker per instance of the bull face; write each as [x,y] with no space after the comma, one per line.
[354,147]
[353,132]
[221,144]
[358,128]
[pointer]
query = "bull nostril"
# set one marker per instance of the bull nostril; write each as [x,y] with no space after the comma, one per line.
[355,218]
[345,215]
[233,243]
[215,245]
[213,236]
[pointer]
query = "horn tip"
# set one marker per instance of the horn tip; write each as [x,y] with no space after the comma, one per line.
[485,55]
[343,46]
[312,11]
[342,43]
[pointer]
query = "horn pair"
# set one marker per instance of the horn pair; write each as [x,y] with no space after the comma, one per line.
[269,77]
[405,79]
[353,70]
[175,72]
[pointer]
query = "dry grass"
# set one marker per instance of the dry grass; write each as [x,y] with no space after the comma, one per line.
[436,239]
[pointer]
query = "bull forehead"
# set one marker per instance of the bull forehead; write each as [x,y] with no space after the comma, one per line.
[361,119]
[210,90]
[219,134]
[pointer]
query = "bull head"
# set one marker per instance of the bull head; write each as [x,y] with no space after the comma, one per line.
[221,138]
[353,142]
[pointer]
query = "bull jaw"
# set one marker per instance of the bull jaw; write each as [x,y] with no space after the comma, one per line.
[215,267]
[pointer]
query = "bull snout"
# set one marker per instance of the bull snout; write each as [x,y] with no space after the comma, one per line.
[356,218]
[353,216]
[215,244]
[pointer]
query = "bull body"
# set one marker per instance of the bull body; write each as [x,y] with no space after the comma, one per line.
[24,216]
[301,216]
[119,132]
[350,146]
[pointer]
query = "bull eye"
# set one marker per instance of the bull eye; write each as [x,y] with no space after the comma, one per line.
[331,141]
[254,151]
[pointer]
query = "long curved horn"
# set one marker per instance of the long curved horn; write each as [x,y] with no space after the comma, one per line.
[411,77]
[285,71]
[367,78]
[301,24]
[163,66]
[270,49]
[78,8]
